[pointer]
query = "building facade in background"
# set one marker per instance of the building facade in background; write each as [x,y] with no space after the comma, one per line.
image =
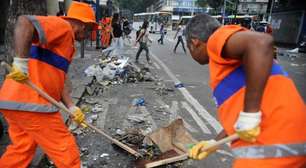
[289,21]
[252,7]
[177,7]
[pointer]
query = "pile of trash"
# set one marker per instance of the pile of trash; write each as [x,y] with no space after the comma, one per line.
[166,142]
[118,70]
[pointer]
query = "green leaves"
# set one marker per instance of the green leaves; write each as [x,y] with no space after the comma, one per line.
[202,3]
[135,5]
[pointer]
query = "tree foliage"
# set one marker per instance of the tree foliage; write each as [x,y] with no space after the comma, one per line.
[215,3]
[135,5]
[202,3]
[17,8]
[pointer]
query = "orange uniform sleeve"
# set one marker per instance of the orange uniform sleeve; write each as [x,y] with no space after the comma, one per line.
[219,67]
[55,34]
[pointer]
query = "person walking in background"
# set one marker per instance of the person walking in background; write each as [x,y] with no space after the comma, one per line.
[126,29]
[116,34]
[179,34]
[162,34]
[143,39]
[106,32]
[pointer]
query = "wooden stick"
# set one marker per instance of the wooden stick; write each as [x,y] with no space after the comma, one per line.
[185,156]
[65,109]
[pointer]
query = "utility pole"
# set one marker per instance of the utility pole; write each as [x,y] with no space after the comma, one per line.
[193,7]
[109,5]
[52,7]
[270,14]
[236,9]
[97,20]
[224,7]
[67,5]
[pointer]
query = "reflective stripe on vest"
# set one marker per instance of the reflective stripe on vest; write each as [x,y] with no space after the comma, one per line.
[270,151]
[9,105]
[38,28]
[235,81]
[50,58]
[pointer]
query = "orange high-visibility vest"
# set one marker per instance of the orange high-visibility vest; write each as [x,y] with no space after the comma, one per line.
[49,60]
[282,141]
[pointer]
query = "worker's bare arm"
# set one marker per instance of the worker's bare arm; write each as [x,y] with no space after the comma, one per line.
[256,52]
[66,98]
[23,35]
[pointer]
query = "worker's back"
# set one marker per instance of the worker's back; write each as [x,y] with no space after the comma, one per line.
[50,56]
[283,109]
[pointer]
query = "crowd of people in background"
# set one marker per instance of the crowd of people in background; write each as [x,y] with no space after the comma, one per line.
[115,30]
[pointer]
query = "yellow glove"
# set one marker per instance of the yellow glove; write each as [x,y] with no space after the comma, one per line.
[17,75]
[78,115]
[247,126]
[196,153]
[19,71]
[249,135]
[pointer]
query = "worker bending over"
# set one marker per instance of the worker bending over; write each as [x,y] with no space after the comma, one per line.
[44,47]
[255,97]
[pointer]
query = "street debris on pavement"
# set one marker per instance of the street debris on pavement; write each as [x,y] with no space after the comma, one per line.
[118,70]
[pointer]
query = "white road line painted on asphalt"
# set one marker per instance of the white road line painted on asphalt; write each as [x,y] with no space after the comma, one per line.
[197,119]
[174,115]
[156,65]
[202,111]
[189,127]
[173,110]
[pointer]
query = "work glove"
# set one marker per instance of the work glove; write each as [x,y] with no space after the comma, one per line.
[196,153]
[247,126]
[19,70]
[78,115]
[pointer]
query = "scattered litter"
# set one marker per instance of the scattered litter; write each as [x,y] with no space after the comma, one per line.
[93,70]
[78,131]
[223,159]
[179,85]
[162,90]
[104,155]
[136,118]
[138,102]
[94,117]
[165,106]
[84,151]
[117,70]
[147,131]
[120,132]
[86,109]
[95,158]
[295,50]
[91,100]
[97,108]
[292,64]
